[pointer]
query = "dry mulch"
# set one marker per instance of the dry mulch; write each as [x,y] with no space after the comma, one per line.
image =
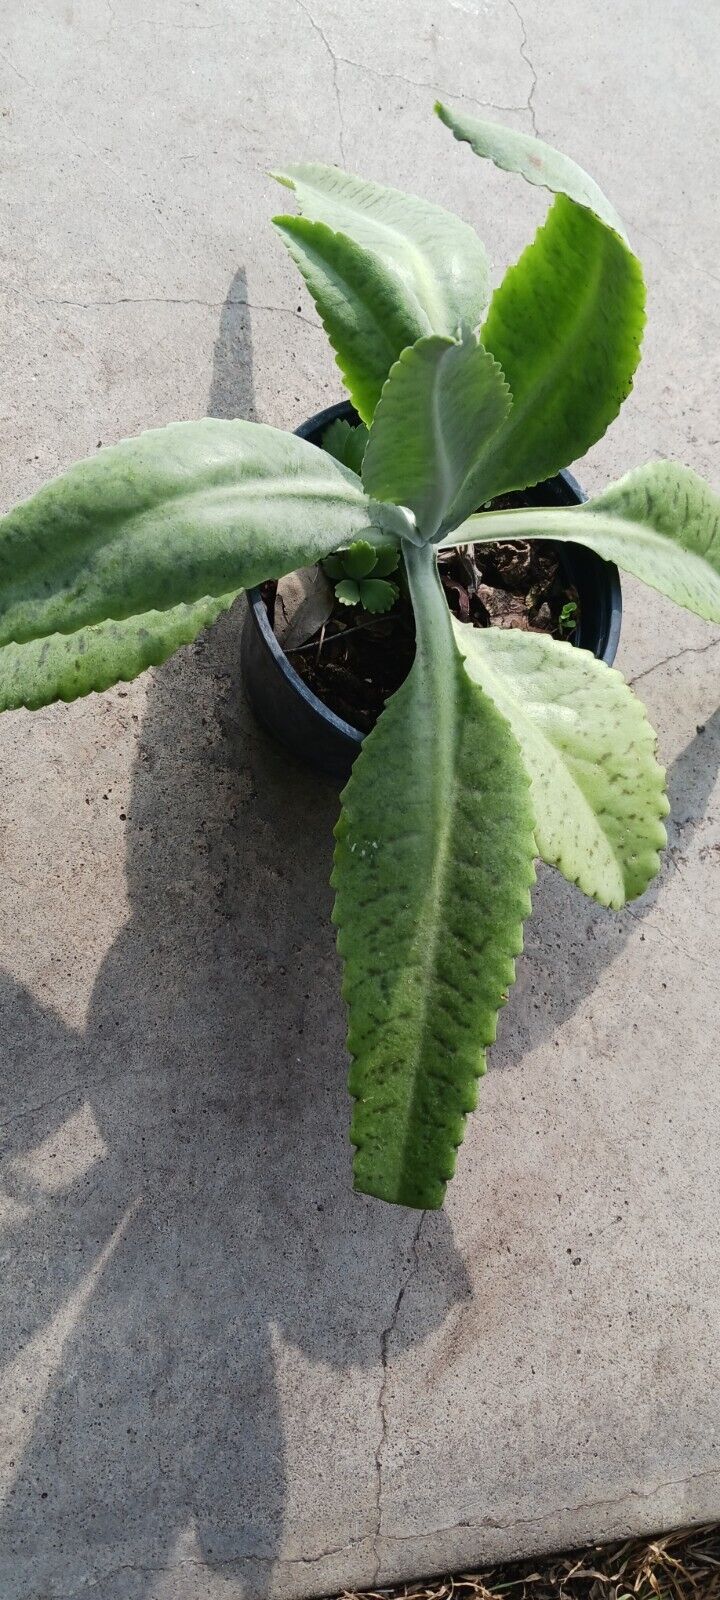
[684,1565]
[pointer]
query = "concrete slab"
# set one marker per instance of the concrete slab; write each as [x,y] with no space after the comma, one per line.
[223,1375]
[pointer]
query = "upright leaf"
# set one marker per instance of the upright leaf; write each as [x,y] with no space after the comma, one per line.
[566,322]
[441,404]
[598,793]
[433,259]
[366,315]
[111,566]
[433,867]
[661,523]
[383,268]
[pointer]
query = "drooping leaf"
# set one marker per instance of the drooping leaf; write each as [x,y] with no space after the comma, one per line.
[536,161]
[441,404]
[433,259]
[566,322]
[347,591]
[661,523]
[172,524]
[433,867]
[64,666]
[346,442]
[365,315]
[598,793]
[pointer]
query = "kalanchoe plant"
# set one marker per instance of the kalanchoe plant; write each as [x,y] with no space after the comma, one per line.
[500,745]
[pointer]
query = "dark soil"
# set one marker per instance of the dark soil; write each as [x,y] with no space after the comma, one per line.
[356,661]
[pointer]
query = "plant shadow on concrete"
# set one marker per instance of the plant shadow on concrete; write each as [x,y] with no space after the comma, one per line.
[220,1227]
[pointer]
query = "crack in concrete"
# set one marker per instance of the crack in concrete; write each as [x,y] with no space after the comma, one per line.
[691,266]
[400,77]
[530,103]
[643,922]
[425,83]
[158,300]
[468,1523]
[209,1565]
[316,27]
[384,1355]
[85,144]
[690,650]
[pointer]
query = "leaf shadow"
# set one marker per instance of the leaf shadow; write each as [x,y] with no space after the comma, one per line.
[203,1225]
[570,941]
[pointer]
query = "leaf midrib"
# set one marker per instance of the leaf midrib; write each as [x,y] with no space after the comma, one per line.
[534,395]
[567,351]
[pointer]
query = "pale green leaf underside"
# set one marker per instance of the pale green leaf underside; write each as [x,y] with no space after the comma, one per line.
[661,523]
[174,523]
[598,794]
[367,316]
[442,400]
[433,866]
[536,161]
[436,261]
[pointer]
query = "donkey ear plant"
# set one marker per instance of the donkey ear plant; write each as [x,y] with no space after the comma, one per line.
[500,745]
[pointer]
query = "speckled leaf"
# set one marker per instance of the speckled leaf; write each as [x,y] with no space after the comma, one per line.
[429,258]
[598,793]
[433,867]
[565,323]
[64,666]
[536,161]
[442,401]
[155,536]
[660,522]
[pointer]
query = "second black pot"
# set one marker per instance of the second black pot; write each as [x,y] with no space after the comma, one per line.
[290,711]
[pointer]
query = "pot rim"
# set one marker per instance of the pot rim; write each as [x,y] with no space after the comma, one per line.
[317,424]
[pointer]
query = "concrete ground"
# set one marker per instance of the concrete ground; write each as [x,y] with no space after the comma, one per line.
[224,1375]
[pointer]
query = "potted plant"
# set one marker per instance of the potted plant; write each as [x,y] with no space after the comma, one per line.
[499,745]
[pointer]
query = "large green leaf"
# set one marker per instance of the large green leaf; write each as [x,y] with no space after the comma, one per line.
[433,260]
[661,523]
[598,793]
[441,402]
[383,268]
[367,321]
[155,536]
[566,322]
[536,161]
[433,867]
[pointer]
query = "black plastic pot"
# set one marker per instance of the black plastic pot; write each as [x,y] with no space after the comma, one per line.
[295,716]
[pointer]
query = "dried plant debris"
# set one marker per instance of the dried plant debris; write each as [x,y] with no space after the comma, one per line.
[303,603]
[684,1565]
